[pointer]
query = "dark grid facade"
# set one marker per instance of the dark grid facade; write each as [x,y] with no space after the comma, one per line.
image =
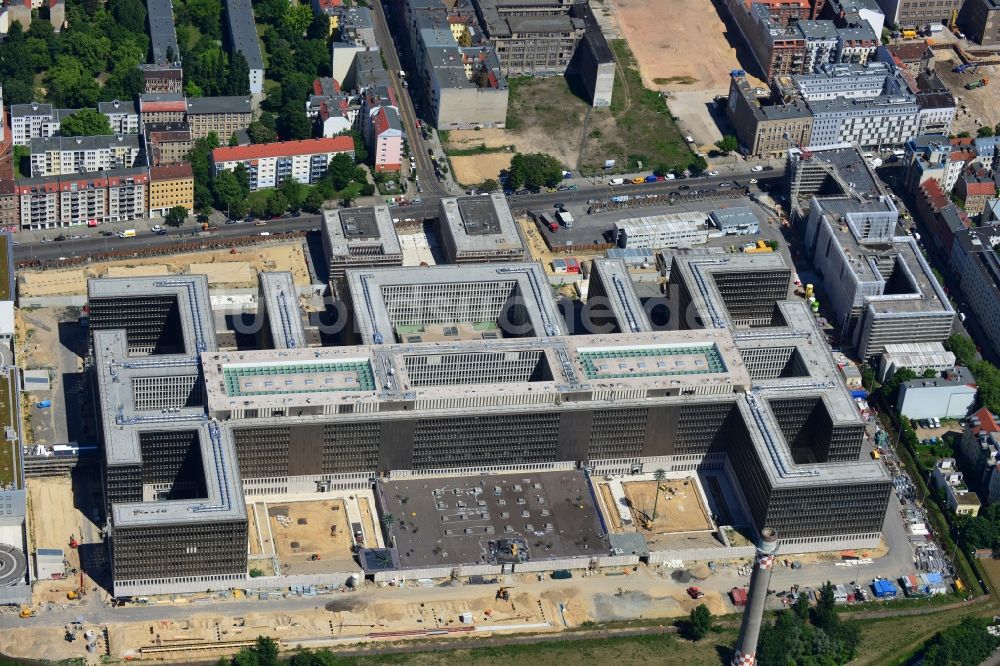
[806,425]
[750,296]
[152,324]
[175,551]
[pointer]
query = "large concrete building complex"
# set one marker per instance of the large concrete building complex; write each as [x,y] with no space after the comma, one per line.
[468,369]
[359,238]
[876,280]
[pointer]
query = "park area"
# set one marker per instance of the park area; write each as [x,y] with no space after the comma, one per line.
[546,115]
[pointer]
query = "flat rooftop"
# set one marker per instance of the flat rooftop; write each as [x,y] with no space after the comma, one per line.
[161,31]
[359,232]
[624,303]
[480,224]
[397,380]
[279,299]
[493,519]
[495,295]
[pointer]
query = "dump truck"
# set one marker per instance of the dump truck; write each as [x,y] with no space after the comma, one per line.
[910,33]
[695,592]
[977,84]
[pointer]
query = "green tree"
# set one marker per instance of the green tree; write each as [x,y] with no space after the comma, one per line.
[801,606]
[295,193]
[314,200]
[965,644]
[960,345]
[319,28]
[227,190]
[176,216]
[296,18]
[341,171]
[698,165]
[85,122]
[699,623]
[293,124]
[261,133]
[238,76]
[130,14]
[728,144]
[206,15]
[488,185]
[243,178]
[534,170]
[984,131]
[276,203]
[70,85]
[234,140]
[360,147]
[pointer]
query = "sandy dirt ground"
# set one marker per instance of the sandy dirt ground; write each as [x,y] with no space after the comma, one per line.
[367,519]
[679,508]
[288,257]
[136,271]
[304,529]
[474,169]
[691,49]
[53,517]
[976,108]
[527,140]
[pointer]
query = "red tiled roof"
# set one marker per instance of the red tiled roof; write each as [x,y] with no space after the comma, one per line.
[164,106]
[986,189]
[171,172]
[330,4]
[337,144]
[934,194]
[987,422]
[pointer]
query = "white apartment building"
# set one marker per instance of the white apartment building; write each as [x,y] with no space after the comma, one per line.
[59,156]
[878,123]
[34,121]
[123,116]
[271,163]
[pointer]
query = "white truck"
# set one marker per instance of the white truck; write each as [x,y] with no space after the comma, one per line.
[616,181]
[566,218]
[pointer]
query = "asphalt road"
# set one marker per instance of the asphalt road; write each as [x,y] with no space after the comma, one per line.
[94,243]
[425,170]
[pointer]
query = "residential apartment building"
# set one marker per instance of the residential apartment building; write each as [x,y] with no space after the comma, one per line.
[158,79]
[270,163]
[167,143]
[778,48]
[57,156]
[935,157]
[974,260]
[974,188]
[948,478]
[876,123]
[162,34]
[357,26]
[162,108]
[241,36]
[386,143]
[223,115]
[330,9]
[464,87]
[980,453]
[122,116]
[764,129]
[980,21]
[10,212]
[170,186]
[853,13]
[35,121]
[330,107]
[90,199]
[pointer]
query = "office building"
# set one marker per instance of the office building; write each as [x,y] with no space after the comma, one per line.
[765,129]
[223,115]
[359,238]
[279,316]
[270,163]
[612,304]
[917,13]
[478,229]
[877,283]
[170,186]
[952,395]
[122,116]
[839,81]
[662,231]
[90,199]
[980,21]
[531,41]
[879,123]
[176,516]
[58,156]
[241,37]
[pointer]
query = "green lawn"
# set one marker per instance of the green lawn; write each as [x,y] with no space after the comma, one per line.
[8,416]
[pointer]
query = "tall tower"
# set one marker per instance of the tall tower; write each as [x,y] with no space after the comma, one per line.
[753,614]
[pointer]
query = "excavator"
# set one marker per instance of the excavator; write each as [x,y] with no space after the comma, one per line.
[503,593]
[27,611]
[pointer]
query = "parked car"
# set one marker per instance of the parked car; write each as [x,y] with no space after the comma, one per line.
[757,168]
[713,173]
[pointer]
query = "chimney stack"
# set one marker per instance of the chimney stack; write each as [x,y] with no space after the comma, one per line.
[753,614]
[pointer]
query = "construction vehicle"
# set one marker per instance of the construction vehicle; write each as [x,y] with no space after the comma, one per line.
[503,593]
[758,247]
[977,84]
[909,33]
[73,543]
[27,612]
[695,593]
[72,595]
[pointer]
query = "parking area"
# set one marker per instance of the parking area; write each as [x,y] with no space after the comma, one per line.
[493,519]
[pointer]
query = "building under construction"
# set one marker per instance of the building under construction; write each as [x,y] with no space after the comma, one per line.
[748,387]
